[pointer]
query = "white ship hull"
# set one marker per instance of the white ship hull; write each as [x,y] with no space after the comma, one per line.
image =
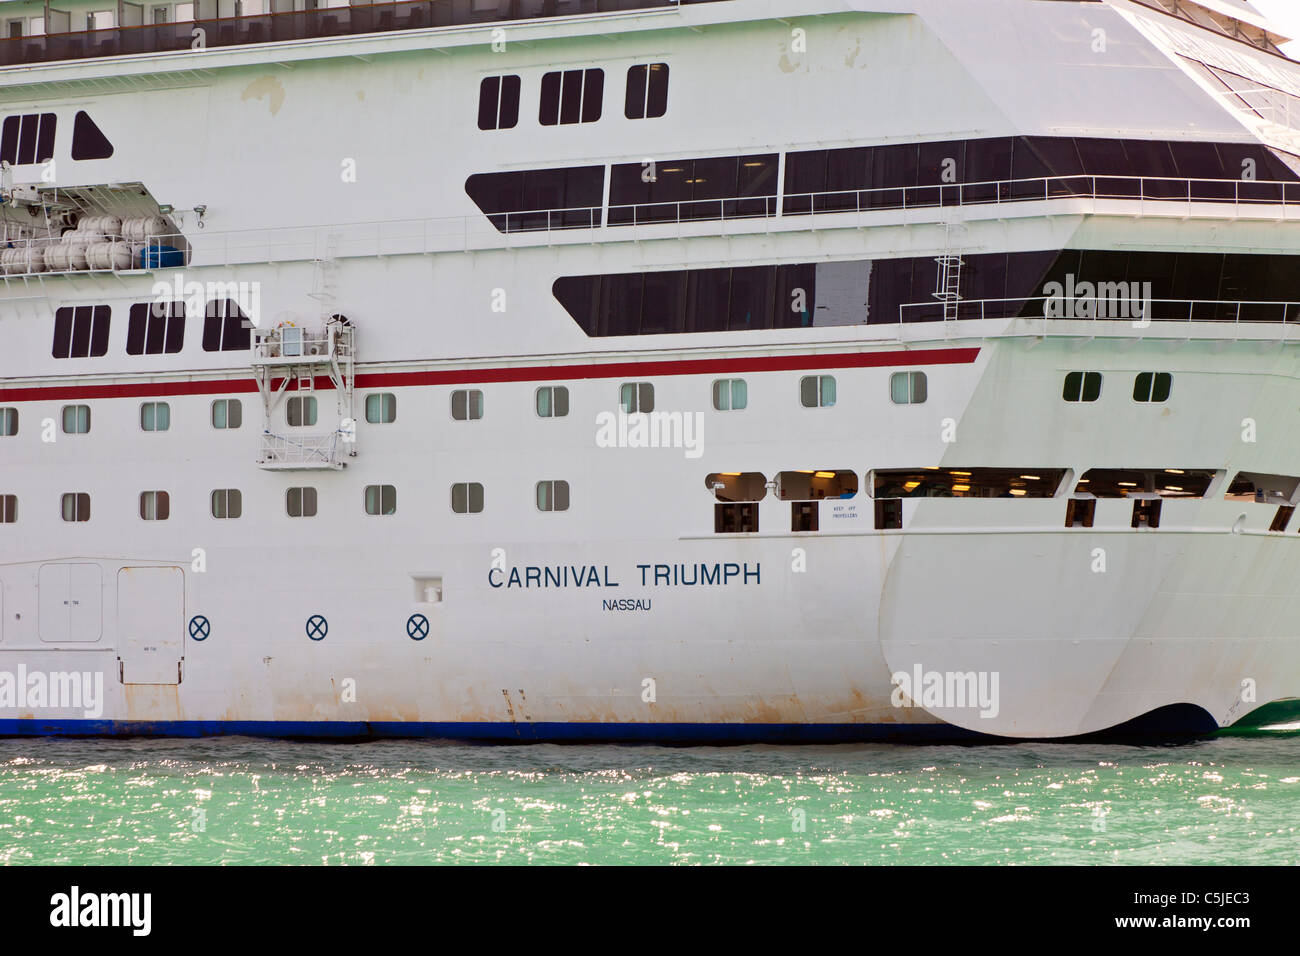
[631,615]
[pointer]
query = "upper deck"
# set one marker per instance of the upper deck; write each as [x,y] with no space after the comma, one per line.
[43,34]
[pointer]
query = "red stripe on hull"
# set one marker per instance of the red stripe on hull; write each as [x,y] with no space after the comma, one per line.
[523,373]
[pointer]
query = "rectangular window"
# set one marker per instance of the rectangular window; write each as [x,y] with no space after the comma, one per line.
[1282,518]
[533,199]
[227,503]
[803,516]
[498,102]
[1146,513]
[1152,387]
[27,138]
[907,388]
[76,419]
[8,422]
[154,505]
[301,411]
[571,96]
[81,331]
[155,416]
[739,517]
[466,404]
[381,408]
[467,498]
[1082,387]
[227,413]
[553,495]
[381,499]
[8,509]
[636,397]
[225,327]
[552,401]
[730,394]
[76,506]
[101,20]
[817,391]
[647,91]
[301,502]
[1080,512]
[889,514]
[155,328]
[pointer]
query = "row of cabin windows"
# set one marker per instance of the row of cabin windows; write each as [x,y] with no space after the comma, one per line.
[552,401]
[154,417]
[573,96]
[154,328]
[29,138]
[228,503]
[1152,387]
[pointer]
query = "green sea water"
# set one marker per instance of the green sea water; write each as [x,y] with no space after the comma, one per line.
[1225,800]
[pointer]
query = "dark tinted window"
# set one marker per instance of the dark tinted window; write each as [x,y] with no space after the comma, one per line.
[225,327]
[647,91]
[564,198]
[87,140]
[498,102]
[155,328]
[27,138]
[716,187]
[81,331]
[571,96]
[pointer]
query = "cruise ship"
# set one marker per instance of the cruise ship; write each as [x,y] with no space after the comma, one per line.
[691,371]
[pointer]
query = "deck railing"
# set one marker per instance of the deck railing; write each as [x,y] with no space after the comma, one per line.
[1041,314]
[1182,198]
[299,25]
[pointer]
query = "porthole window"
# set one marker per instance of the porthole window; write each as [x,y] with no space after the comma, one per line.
[907,388]
[466,404]
[553,496]
[155,416]
[155,505]
[1152,387]
[1082,387]
[227,503]
[552,401]
[817,391]
[227,413]
[76,419]
[301,411]
[381,408]
[467,497]
[636,397]
[730,394]
[381,499]
[301,502]
[76,506]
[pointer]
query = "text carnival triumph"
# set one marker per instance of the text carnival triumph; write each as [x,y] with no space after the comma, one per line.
[651,575]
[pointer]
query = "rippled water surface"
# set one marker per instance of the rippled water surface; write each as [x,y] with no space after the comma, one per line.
[240,800]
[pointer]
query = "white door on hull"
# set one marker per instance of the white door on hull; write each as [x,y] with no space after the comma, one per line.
[70,603]
[150,624]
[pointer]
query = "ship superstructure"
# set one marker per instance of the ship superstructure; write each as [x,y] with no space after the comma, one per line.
[728,370]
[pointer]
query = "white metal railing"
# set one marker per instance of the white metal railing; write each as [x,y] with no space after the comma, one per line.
[1185,198]
[306,451]
[1041,314]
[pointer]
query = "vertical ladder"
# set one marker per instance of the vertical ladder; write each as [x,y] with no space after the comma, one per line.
[948,283]
[325,284]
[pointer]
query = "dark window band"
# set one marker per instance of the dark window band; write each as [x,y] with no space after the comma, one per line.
[1182,286]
